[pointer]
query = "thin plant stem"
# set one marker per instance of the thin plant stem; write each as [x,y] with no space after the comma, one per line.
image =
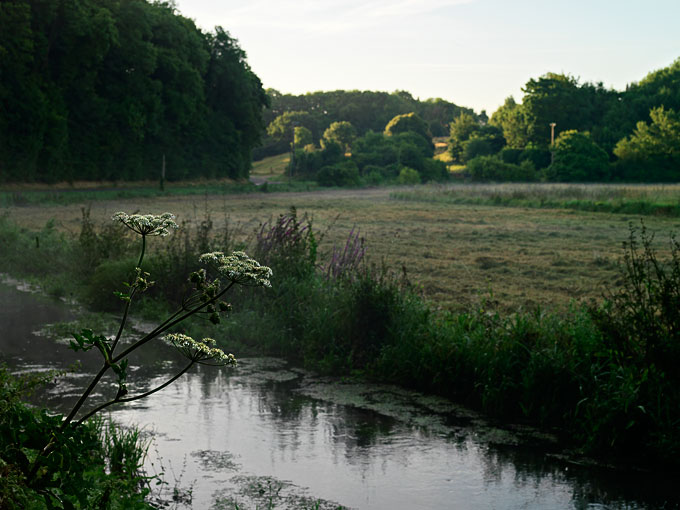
[129,301]
[123,321]
[168,325]
[137,397]
[83,397]
[141,255]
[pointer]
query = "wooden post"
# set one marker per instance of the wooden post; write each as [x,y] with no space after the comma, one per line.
[552,142]
[163,174]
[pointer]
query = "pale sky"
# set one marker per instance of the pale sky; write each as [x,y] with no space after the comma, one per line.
[474,53]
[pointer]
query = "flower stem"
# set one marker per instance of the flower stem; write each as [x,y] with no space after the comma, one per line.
[137,397]
[167,325]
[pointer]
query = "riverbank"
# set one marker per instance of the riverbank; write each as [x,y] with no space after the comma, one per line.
[94,465]
[270,434]
[601,379]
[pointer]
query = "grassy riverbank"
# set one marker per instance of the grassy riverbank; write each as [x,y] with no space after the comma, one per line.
[95,465]
[602,375]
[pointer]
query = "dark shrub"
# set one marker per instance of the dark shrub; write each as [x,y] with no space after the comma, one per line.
[539,157]
[492,168]
[509,155]
[434,170]
[340,174]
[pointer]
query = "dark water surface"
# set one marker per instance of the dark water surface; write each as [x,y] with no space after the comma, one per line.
[268,433]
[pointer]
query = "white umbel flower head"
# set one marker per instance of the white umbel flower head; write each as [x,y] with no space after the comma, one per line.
[239,268]
[147,224]
[201,352]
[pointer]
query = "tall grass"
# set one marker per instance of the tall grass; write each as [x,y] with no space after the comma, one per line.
[96,465]
[602,375]
[646,199]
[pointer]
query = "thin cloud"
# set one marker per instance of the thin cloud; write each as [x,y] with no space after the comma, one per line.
[330,15]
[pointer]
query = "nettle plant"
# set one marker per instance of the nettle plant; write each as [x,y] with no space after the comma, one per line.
[210,284]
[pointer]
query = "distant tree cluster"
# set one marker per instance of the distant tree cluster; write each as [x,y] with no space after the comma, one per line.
[402,153]
[601,134]
[99,89]
[364,110]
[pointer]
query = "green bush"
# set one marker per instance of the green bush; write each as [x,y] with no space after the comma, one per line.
[434,171]
[374,177]
[340,174]
[539,157]
[577,159]
[640,324]
[475,147]
[492,168]
[510,155]
[94,465]
[408,176]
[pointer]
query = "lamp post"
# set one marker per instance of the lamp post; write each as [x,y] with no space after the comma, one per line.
[292,156]
[552,141]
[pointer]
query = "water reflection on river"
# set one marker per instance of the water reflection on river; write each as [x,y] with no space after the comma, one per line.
[265,430]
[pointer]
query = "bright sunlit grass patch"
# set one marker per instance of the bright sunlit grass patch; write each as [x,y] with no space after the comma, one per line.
[271,167]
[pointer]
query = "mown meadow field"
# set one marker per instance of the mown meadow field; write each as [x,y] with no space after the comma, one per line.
[513,246]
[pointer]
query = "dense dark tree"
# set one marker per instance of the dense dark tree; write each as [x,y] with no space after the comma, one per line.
[470,138]
[652,152]
[577,159]
[408,122]
[511,118]
[282,127]
[100,89]
[559,98]
[302,137]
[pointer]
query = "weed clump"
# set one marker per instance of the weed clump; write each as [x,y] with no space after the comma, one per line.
[96,465]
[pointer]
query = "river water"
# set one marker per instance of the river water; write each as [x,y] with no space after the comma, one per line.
[267,435]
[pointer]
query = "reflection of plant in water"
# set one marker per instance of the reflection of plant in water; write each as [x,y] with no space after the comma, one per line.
[205,299]
[268,493]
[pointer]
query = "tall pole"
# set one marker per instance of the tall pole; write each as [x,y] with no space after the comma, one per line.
[552,142]
[163,174]
[292,157]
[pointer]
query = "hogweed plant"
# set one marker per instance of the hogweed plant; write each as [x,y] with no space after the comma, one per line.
[205,299]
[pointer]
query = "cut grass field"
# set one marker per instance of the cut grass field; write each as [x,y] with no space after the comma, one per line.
[457,252]
[271,168]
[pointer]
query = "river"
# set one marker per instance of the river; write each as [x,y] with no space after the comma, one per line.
[268,435]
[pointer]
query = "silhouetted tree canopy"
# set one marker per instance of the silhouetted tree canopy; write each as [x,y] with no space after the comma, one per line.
[99,89]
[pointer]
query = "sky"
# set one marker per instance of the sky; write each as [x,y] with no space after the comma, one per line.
[474,53]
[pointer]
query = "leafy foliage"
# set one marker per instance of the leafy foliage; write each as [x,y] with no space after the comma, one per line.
[492,168]
[577,159]
[652,152]
[97,90]
[342,133]
[469,139]
[640,324]
[302,137]
[365,110]
[340,174]
[94,465]
[408,122]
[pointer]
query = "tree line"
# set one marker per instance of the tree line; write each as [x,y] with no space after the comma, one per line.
[365,110]
[562,130]
[600,134]
[107,89]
